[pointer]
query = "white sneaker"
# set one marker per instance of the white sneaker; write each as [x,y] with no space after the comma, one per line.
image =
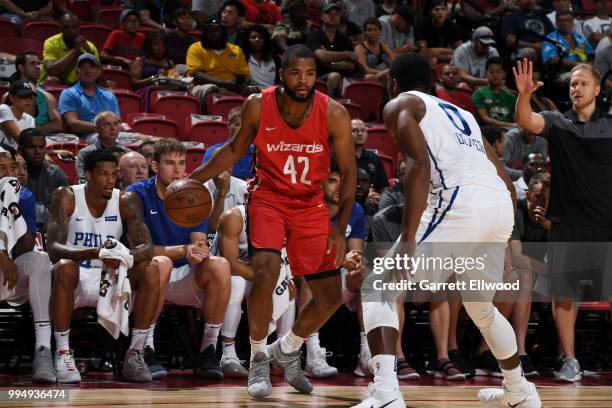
[364,368]
[316,365]
[378,399]
[501,397]
[67,371]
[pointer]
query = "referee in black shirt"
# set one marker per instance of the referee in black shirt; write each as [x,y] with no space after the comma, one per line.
[580,143]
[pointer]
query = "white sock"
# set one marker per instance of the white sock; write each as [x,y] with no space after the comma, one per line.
[139,337]
[42,332]
[291,342]
[150,337]
[211,335]
[62,340]
[385,372]
[514,380]
[258,346]
[312,343]
[229,349]
[364,349]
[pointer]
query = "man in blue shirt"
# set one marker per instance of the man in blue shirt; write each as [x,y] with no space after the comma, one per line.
[197,279]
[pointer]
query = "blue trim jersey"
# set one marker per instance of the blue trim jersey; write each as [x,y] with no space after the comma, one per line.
[356,223]
[163,231]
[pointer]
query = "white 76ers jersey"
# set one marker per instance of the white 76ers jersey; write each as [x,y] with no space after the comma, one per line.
[455,146]
[85,231]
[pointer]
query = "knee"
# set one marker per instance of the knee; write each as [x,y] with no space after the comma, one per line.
[148,276]
[66,273]
[215,271]
[37,264]
[164,267]
[333,79]
[267,274]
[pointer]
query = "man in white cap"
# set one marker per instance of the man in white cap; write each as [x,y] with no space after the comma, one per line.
[471,56]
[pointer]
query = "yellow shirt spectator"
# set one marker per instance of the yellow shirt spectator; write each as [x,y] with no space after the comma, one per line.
[55,49]
[225,66]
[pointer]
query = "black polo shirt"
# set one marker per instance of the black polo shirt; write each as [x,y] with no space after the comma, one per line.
[318,39]
[370,162]
[581,162]
[527,231]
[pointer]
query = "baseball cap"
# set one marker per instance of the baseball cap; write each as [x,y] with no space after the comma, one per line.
[126,13]
[330,7]
[484,35]
[88,57]
[21,88]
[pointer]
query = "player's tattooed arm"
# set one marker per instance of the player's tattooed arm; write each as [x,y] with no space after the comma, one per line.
[62,207]
[139,236]
[238,145]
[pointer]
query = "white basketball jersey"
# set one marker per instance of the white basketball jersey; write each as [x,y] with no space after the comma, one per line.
[456,147]
[85,231]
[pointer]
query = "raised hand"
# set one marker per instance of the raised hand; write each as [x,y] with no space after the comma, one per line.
[523,76]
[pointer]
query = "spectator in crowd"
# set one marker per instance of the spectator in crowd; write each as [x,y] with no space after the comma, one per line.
[216,64]
[107,125]
[385,8]
[397,30]
[202,10]
[157,14]
[44,110]
[346,26]
[596,28]
[227,192]
[525,27]
[154,61]
[264,12]
[259,53]
[475,14]
[533,163]
[61,51]
[576,48]
[123,45]
[367,159]
[520,142]
[366,196]
[85,10]
[231,15]
[395,194]
[471,57]
[80,103]
[20,10]
[360,10]
[374,56]
[133,168]
[603,63]
[43,177]
[13,115]
[496,137]
[494,103]
[294,31]
[146,149]
[559,6]
[180,40]
[333,50]
[437,37]
[448,90]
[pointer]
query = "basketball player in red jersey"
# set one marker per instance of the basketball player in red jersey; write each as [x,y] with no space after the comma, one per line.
[290,126]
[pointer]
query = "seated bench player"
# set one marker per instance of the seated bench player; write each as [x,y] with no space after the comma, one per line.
[82,220]
[196,279]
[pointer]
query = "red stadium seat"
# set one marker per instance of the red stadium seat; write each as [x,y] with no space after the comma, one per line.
[379,139]
[353,109]
[221,104]
[96,33]
[177,106]
[15,45]
[71,146]
[68,165]
[55,90]
[599,306]
[8,28]
[40,29]
[194,158]
[131,117]
[321,86]
[110,16]
[368,94]
[119,76]
[209,132]
[156,126]
[129,102]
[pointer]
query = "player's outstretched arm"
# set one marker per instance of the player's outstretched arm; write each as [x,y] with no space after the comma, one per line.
[139,237]
[501,171]
[525,117]
[402,116]
[238,145]
[230,227]
[62,207]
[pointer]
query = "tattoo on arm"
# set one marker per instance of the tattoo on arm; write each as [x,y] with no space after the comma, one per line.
[139,236]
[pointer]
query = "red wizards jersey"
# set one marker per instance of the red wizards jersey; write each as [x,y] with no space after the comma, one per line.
[290,162]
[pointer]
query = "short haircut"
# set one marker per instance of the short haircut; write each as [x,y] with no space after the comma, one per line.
[146,143]
[101,114]
[372,21]
[588,67]
[68,15]
[494,61]
[235,111]
[20,59]
[179,12]
[236,3]
[98,156]
[295,52]
[28,134]
[333,166]
[10,150]
[526,157]
[564,13]
[166,146]
[492,134]
[293,6]
[411,71]
[540,178]
[407,13]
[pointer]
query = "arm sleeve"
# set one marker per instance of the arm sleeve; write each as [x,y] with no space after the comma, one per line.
[6,114]
[460,59]
[66,102]
[358,227]
[110,42]
[243,67]
[381,176]
[478,99]
[378,230]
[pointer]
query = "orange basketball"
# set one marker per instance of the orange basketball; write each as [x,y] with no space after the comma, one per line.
[187,202]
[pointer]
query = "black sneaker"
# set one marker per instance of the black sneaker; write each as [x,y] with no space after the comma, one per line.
[462,363]
[529,369]
[487,365]
[207,364]
[157,370]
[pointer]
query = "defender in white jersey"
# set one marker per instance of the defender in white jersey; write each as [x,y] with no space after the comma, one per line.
[458,192]
[82,220]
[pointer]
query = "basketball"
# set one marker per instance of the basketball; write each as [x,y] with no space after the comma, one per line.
[187,202]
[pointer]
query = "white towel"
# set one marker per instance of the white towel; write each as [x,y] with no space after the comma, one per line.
[12,224]
[114,303]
